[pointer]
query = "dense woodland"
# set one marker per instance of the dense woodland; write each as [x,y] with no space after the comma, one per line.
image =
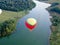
[16,5]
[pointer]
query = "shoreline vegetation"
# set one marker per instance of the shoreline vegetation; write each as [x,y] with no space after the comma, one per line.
[55,27]
[11,12]
[8,20]
[54,11]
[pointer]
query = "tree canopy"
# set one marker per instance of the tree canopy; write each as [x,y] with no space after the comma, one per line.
[16,5]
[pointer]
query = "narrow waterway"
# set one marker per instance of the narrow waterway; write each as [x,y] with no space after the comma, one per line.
[39,36]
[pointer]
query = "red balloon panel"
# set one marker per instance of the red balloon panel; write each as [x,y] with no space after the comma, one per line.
[30,26]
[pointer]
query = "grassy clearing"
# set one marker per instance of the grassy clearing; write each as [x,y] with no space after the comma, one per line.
[6,15]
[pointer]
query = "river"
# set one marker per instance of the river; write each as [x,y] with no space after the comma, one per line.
[39,36]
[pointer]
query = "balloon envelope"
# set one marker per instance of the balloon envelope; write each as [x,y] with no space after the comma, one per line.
[0,11]
[31,23]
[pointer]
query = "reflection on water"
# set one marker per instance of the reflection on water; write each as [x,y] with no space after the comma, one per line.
[39,36]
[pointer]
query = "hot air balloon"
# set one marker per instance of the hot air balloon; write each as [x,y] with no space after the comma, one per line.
[0,11]
[31,23]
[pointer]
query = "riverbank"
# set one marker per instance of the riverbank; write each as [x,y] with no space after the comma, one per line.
[54,11]
[8,20]
[55,27]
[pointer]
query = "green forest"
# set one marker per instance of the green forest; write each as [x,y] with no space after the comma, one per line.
[16,5]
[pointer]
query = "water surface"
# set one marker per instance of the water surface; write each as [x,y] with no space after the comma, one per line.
[39,36]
